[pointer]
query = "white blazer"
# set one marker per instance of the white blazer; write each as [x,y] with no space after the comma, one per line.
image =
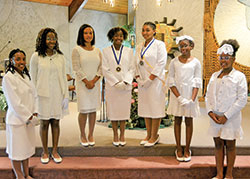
[39,72]
[20,94]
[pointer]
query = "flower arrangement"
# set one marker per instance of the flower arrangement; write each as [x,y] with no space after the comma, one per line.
[3,102]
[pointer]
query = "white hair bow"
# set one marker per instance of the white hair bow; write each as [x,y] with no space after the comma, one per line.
[178,39]
[226,49]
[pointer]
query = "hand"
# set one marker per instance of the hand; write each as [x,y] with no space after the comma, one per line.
[35,114]
[183,101]
[65,103]
[147,83]
[120,85]
[214,117]
[222,119]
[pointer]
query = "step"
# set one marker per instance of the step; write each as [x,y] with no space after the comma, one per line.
[200,167]
[109,151]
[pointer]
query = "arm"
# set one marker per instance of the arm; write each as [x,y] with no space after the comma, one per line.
[34,68]
[130,74]
[15,100]
[161,61]
[66,95]
[241,99]
[98,73]
[196,81]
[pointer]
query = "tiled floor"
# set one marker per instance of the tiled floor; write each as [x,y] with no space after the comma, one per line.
[103,135]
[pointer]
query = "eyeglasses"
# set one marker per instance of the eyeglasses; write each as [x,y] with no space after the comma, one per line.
[224,58]
[49,39]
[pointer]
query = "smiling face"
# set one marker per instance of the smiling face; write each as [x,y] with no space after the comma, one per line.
[19,61]
[226,61]
[148,32]
[185,47]
[88,34]
[51,40]
[118,38]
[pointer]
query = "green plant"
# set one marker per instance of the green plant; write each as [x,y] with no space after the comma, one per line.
[3,102]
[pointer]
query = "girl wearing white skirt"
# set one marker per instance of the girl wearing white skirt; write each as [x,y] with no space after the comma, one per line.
[184,80]
[21,114]
[118,69]
[150,75]
[226,96]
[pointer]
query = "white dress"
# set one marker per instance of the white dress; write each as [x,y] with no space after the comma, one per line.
[20,95]
[227,96]
[49,76]
[151,100]
[87,64]
[185,77]
[118,101]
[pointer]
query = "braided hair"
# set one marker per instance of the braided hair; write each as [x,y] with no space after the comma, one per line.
[10,67]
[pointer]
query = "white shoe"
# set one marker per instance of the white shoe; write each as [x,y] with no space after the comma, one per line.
[44,160]
[148,144]
[116,144]
[57,160]
[187,159]
[123,143]
[143,142]
[180,159]
[91,143]
[84,144]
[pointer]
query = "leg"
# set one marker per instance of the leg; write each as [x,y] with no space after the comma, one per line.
[219,156]
[189,133]
[231,155]
[26,168]
[82,118]
[92,119]
[177,134]
[44,127]
[154,130]
[122,131]
[115,130]
[148,123]
[16,165]
[55,128]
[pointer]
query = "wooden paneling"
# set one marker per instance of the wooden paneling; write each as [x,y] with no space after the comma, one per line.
[74,6]
[54,2]
[121,6]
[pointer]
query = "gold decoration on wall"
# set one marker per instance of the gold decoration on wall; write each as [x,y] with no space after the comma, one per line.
[210,60]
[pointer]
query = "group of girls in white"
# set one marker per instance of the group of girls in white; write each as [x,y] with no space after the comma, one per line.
[43,93]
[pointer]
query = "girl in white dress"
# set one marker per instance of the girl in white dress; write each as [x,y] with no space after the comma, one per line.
[226,96]
[47,69]
[184,80]
[118,69]
[150,75]
[86,62]
[20,94]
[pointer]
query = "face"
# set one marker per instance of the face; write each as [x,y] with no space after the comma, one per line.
[88,34]
[118,38]
[226,61]
[147,32]
[51,40]
[185,47]
[19,61]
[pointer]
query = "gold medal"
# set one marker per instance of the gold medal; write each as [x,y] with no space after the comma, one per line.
[118,69]
[141,63]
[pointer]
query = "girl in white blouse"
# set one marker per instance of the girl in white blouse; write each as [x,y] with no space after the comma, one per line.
[47,69]
[118,69]
[226,96]
[150,75]
[184,80]
[86,62]
[20,94]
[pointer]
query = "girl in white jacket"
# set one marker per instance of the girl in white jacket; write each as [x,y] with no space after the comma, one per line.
[20,131]
[226,96]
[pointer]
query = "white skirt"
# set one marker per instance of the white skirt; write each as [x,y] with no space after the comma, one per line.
[118,104]
[20,141]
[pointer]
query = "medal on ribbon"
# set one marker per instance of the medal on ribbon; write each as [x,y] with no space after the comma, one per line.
[118,69]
